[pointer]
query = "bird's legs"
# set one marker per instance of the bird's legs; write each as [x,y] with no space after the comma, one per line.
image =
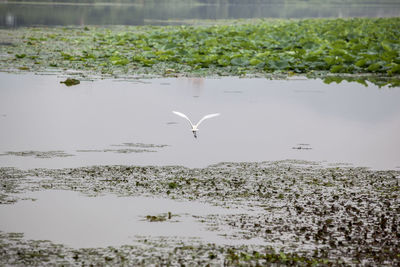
[194,133]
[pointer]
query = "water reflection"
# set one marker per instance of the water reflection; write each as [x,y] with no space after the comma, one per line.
[344,122]
[10,20]
[13,14]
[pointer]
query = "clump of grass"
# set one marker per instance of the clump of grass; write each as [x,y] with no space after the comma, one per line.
[70,82]
[172,185]
[159,218]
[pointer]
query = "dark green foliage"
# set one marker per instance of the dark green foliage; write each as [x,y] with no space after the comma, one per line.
[70,82]
[172,185]
[352,46]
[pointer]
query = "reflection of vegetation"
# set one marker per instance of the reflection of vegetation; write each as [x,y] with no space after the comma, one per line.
[94,12]
[379,81]
[212,1]
[313,46]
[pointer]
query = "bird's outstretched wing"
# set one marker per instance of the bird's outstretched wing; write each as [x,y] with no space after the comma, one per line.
[207,117]
[183,116]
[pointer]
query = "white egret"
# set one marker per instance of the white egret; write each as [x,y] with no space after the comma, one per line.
[195,126]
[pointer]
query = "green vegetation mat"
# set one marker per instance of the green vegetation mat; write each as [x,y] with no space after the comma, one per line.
[353,48]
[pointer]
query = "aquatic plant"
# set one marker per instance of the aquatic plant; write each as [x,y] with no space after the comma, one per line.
[70,82]
[327,214]
[338,46]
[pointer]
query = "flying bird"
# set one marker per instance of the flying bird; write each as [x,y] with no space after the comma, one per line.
[195,126]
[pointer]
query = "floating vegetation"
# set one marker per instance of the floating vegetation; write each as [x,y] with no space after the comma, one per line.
[302,147]
[233,92]
[128,148]
[365,48]
[15,250]
[121,151]
[38,154]
[141,145]
[310,213]
[159,218]
[70,82]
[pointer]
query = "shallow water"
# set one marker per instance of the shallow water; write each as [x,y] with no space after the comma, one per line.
[102,122]
[75,220]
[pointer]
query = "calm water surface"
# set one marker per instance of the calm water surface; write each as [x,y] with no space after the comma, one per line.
[260,120]
[161,12]
[128,122]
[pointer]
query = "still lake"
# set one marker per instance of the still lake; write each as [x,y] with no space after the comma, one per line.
[45,124]
[108,122]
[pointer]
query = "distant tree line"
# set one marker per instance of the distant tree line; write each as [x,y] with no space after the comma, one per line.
[152,13]
[218,1]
